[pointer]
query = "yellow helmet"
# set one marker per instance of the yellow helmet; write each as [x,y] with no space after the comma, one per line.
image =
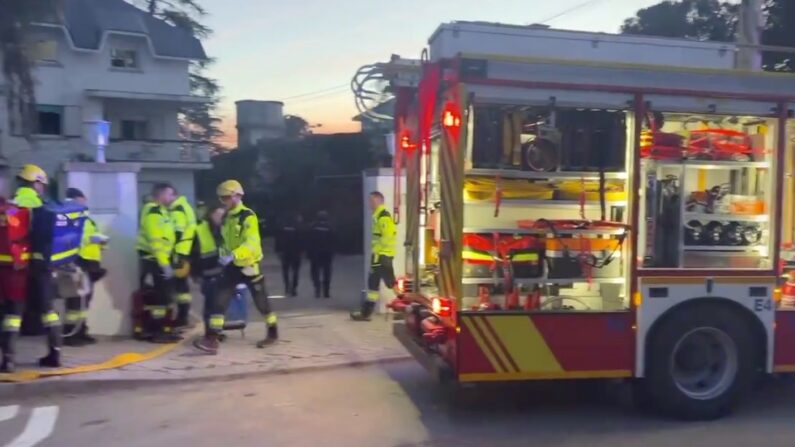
[33,173]
[229,188]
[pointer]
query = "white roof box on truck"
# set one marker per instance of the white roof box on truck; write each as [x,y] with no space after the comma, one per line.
[537,41]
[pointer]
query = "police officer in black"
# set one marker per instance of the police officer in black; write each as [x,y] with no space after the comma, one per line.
[321,253]
[290,247]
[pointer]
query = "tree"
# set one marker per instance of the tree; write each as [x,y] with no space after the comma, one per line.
[199,122]
[296,126]
[696,19]
[15,20]
[715,20]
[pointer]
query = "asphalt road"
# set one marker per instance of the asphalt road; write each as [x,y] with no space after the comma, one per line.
[395,405]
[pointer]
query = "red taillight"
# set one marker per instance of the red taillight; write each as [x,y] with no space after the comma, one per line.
[442,307]
[451,118]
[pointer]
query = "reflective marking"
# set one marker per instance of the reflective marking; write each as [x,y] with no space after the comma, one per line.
[9,412]
[39,427]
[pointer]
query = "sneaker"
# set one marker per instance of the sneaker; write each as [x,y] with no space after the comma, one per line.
[52,360]
[207,344]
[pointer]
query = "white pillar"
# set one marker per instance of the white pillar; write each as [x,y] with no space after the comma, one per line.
[112,192]
[383,180]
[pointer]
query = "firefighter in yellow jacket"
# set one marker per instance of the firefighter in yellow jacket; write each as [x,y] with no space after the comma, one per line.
[240,256]
[156,240]
[382,247]
[184,219]
[89,260]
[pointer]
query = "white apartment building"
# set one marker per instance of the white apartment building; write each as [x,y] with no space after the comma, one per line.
[108,60]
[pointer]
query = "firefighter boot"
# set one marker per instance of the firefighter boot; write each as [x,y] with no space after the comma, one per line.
[365,313]
[7,340]
[271,338]
[52,359]
[183,316]
[54,339]
[83,335]
[207,344]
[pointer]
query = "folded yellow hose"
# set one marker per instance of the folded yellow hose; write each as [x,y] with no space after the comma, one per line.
[485,188]
[573,189]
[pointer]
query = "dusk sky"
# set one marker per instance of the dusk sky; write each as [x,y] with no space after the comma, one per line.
[274,50]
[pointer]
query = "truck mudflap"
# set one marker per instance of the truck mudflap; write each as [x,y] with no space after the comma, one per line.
[428,359]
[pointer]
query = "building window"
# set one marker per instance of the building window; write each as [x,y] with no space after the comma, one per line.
[43,50]
[134,130]
[123,58]
[49,120]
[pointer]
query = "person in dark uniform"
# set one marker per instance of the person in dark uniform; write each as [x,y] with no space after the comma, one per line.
[321,253]
[290,247]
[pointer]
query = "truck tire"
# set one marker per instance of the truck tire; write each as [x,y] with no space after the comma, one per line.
[700,361]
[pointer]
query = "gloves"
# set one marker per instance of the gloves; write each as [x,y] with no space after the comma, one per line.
[99,239]
[226,260]
[168,271]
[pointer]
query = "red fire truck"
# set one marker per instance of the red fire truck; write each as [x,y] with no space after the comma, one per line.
[583,206]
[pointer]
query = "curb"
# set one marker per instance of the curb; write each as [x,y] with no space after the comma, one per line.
[53,386]
[115,362]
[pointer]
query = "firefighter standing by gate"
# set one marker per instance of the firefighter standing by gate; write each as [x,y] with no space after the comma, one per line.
[382,245]
[321,254]
[40,282]
[156,240]
[241,253]
[89,260]
[185,227]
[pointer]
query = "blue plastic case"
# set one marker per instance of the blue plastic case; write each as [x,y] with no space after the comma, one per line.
[57,231]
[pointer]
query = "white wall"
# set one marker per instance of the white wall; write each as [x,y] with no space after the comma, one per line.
[181,179]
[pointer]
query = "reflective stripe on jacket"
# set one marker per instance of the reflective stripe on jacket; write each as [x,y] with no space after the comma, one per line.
[184,225]
[241,239]
[156,237]
[384,233]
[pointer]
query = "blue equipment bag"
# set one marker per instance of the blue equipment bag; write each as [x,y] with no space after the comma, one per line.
[57,232]
[237,312]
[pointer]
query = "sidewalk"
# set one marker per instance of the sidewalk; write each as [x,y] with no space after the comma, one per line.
[314,334]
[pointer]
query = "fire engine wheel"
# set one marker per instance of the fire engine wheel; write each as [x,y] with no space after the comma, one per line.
[700,362]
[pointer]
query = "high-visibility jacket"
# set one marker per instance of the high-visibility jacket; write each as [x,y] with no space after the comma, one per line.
[156,237]
[184,225]
[207,239]
[241,239]
[384,233]
[27,197]
[89,250]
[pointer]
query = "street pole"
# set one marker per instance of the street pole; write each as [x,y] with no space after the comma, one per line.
[752,23]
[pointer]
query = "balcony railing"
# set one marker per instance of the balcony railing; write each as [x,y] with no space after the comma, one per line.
[178,151]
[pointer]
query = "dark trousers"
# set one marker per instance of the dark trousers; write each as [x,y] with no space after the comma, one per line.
[40,303]
[381,270]
[291,268]
[158,305]
[183,297]
[227,284]
[320,266]
[210,293]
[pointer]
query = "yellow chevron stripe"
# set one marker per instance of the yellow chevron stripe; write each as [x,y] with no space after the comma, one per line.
[470,325]
[481,324]
[495,377]
[525,344]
